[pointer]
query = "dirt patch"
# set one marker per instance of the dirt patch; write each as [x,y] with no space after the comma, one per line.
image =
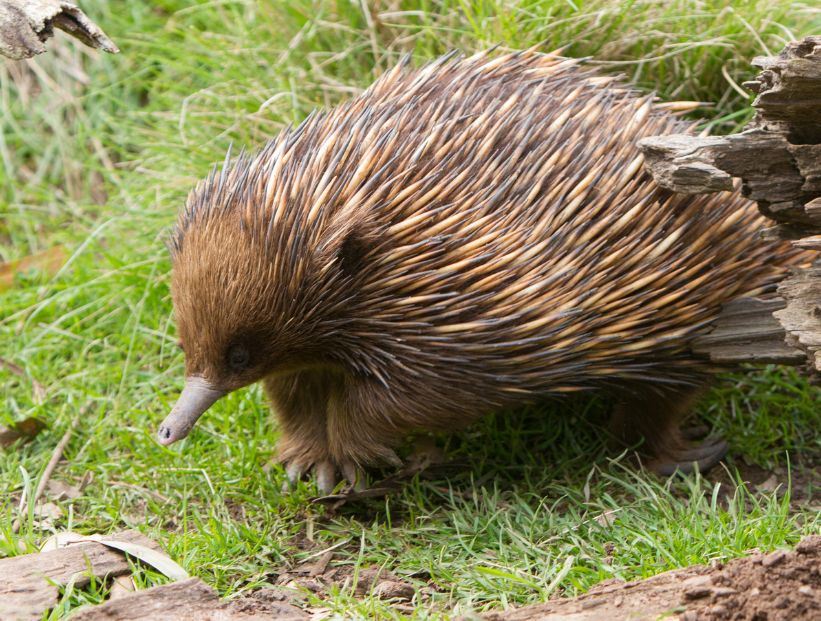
[268,602]
[781,586]
[319,577]
[801,480]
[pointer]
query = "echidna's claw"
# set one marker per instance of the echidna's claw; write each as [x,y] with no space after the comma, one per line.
[294,470]
[354,475]
[392,458]
[703,456]
[326,479]
[326,473]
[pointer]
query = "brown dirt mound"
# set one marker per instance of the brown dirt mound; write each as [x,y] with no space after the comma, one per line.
[781,586]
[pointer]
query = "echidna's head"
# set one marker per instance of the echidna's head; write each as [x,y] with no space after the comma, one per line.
[253,296]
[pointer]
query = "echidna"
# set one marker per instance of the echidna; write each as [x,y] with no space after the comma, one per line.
[462,238]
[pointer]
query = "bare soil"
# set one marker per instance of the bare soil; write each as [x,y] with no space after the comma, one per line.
[781,586]
[319,577]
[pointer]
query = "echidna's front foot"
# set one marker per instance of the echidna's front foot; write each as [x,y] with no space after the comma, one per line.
[685,460]
[326,473]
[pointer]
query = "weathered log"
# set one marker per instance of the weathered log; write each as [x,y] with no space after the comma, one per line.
[763,159]
[747,331]
[29,584]
[778,156]
[25,26]
[188,600]
[778,159]
[801,317]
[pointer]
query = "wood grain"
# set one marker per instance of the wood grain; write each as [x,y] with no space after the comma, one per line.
[29,584]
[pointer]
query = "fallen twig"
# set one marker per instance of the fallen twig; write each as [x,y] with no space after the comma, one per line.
[56,455]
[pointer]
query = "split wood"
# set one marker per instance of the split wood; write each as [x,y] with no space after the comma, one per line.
[778,159]
[25,25]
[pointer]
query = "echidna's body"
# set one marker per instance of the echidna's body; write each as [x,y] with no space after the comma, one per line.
[461,238]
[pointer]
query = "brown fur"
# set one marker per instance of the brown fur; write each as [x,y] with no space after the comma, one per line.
[473,235]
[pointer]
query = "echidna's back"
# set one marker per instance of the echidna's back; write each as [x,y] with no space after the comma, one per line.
[514,239]
[520,231]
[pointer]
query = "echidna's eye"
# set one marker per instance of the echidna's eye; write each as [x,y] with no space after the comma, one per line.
[238,358]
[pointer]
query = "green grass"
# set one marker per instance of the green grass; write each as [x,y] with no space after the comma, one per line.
[98,153]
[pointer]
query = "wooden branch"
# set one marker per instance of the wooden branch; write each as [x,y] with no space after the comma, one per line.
[685,163]
[789,89]
[778,159]
[764,160]
[25,25]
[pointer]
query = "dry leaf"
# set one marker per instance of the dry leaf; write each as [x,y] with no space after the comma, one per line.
[770,485]
[36,387]
[60,490]
[45,513]
[318,567]
[49,261]
[61,540]
[26,429]
[159,561]
[393,589]
[48,510]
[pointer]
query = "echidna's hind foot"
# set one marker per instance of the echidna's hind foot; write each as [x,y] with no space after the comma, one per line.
[704,456]
[650,420]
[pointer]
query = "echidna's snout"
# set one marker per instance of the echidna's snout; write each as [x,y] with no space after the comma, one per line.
[197,396]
